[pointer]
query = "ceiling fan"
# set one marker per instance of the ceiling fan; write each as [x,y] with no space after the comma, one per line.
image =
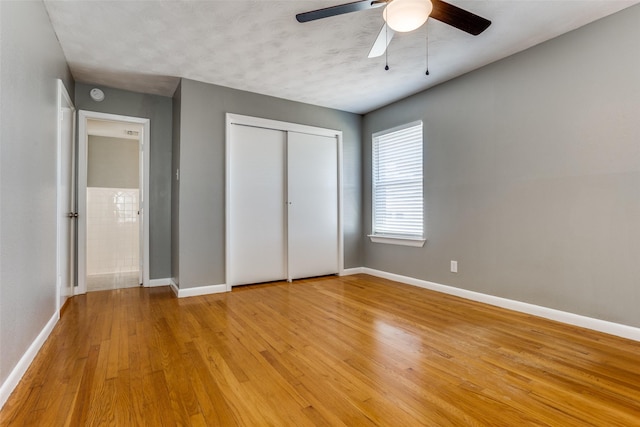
[404,16]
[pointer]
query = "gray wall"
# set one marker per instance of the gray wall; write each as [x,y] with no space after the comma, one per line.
[112,162]
[31,61]
[158,110]
[532,175]
[202,172]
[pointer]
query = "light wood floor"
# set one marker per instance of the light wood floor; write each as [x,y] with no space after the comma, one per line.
[353,351]
[103,282]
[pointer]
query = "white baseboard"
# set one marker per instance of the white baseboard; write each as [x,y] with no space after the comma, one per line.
[25,361]
[605,326]
[174,286]
[159,282]
[350,271]
[200,290]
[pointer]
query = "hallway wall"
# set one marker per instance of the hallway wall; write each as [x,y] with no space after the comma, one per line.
[31,62]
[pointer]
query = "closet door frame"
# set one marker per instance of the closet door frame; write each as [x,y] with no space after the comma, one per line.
[237,119]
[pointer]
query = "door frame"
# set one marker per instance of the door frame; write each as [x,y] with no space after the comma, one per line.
[144,145]
[239,119]
[64,100]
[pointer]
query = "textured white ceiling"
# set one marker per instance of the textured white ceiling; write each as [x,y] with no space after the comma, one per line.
[258,46]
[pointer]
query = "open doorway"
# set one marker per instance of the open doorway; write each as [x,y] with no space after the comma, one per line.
[112,222]
[113,205]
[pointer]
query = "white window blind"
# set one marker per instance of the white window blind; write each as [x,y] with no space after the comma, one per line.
[397,182]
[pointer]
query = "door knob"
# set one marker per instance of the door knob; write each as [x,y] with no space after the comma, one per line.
[72,215]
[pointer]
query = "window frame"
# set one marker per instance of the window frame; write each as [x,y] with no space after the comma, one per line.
[404,240]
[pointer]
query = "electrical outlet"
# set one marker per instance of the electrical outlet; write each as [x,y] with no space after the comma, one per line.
[454,266]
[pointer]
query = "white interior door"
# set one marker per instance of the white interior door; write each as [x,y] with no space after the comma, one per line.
[312,169]
[256,205]
[65,188]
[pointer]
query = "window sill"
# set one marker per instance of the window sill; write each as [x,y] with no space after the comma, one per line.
[415,242]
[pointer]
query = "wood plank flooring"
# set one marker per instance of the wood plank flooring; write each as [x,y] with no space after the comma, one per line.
[350,351]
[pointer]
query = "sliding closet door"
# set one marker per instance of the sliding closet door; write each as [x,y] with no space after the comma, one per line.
[257,208]
[312,162]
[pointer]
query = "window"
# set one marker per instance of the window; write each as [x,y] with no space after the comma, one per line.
[397,186]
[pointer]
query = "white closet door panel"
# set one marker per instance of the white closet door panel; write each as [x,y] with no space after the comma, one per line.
[257,205]
[313,205]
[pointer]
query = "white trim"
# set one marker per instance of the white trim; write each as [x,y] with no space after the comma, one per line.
[25,361]
[174,287]
[159,282]
[239,119]
[227,199]
[197,291]
[83,115]
[338,135]
[397,128]
[351,271]
[278,125]
[605,326]
[416,242]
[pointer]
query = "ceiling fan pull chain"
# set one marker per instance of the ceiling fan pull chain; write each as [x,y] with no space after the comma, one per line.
[386,51]
[426,56]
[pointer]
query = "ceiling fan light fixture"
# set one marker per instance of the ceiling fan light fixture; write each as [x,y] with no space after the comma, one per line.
[407,15]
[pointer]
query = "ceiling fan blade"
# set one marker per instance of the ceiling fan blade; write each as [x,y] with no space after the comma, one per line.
[459,18]
[381,43]
[338,10]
